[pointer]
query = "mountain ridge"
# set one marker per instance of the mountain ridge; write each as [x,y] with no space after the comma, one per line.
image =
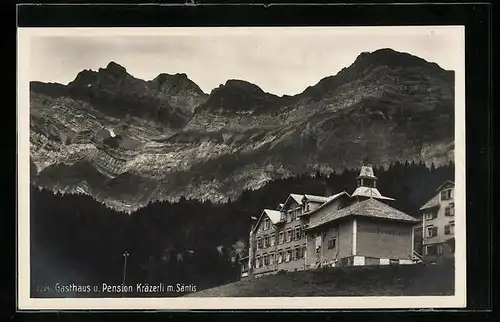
[170,139]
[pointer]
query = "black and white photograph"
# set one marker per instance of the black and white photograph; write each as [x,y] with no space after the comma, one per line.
[242,167]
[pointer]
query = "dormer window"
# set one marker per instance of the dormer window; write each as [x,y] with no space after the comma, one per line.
[446,194]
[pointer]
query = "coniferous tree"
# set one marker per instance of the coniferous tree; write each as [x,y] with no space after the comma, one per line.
[83,240]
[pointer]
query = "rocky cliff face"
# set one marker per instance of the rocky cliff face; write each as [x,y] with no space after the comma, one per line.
[126,141]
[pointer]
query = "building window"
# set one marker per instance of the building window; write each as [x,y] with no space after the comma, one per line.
[289,216]
[282,237]
[318,241]
[258,262]
[266,259]
[446,194]
[288,255]
[288,235]
[431,231]
[271,258]
[297,253]
[297,217]
[307,206]
[298,234]
[430,215]
[266,241]
[280,257]
[449,229]
[266,224]
[303,232]
[331,243]
[273,239]
[259,242]
[304,251]
[430,250]
[450,210]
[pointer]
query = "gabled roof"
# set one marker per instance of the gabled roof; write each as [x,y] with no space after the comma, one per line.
[315,198]
[296,197]
[273,215]
[329,201]
[433,202]
[369,192]
[444,184]
[367,208]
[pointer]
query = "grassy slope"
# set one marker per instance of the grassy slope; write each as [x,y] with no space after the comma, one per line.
[400,280]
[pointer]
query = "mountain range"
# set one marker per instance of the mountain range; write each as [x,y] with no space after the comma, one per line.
[127,142]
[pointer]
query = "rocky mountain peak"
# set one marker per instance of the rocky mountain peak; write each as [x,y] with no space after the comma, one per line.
[240,96]
[114,68]
[174,84]
[392,59]
[243,85]
[173,141]
[88,77]
[370,67]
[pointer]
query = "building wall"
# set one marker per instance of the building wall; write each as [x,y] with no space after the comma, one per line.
[443,251]
[341,231]
[326,210]
[418,234]
[311,205]
[372,261]
[294,263]
[418,241]
[383,239]
[258,252]
[440,221]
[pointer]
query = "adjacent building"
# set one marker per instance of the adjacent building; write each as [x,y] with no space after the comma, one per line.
[309,231]
[438,224]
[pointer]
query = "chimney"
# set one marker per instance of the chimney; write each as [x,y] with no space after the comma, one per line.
[328,191]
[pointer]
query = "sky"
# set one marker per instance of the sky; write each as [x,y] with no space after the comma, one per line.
[279,60]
